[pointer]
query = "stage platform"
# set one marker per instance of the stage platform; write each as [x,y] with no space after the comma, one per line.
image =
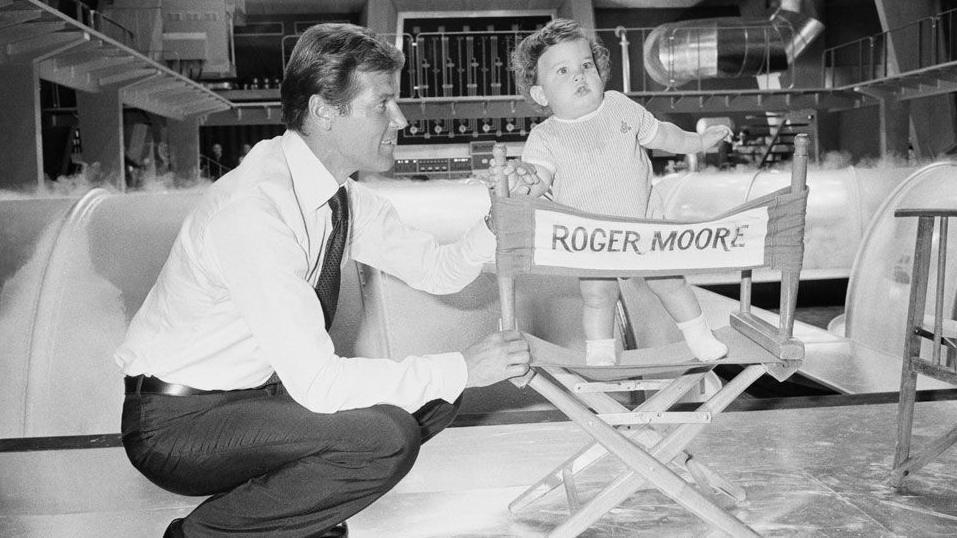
[807,472]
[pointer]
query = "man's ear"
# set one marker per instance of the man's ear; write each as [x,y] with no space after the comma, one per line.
[322,112]
[538,94]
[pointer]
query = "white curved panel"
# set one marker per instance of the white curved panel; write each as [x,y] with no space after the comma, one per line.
[879,286]
[840,203]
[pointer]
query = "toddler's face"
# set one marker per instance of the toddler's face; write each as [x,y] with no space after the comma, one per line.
[568,80]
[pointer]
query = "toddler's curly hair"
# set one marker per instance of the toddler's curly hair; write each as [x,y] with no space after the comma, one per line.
[524,58]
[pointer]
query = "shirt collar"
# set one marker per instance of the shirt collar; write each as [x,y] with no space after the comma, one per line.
[313,183]
[585,117]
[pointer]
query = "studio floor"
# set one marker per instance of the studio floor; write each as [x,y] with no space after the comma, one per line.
[807,472]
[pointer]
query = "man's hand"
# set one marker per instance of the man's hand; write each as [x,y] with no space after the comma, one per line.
[714,134]
[496,357]
[523,179]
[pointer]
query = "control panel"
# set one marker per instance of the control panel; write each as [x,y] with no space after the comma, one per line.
[453,161]
[434,168]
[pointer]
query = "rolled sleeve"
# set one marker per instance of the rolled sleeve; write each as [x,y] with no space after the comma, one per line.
[451,382]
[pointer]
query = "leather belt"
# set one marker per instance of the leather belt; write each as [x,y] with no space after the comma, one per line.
[142,384]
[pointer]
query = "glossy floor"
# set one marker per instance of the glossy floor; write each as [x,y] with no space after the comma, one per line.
[807,472]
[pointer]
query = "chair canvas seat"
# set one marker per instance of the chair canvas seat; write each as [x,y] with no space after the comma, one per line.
[675,358]
[650,438]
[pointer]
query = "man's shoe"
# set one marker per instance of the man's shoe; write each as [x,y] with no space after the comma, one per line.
[175,529]
[339,531]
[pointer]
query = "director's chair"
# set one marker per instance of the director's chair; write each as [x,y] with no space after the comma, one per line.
[536,236]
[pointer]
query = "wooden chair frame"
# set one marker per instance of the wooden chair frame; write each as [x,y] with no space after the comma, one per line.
[650,437]
[924,328]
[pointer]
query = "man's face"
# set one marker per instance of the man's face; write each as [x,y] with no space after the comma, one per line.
[367,133]
[568,80]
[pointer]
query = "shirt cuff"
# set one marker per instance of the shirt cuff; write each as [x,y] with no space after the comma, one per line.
[450,383]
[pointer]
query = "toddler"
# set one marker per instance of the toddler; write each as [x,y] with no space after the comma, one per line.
[591,153]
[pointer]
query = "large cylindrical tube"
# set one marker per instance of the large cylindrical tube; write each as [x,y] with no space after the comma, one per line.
[839,205]
[676,53]
[73,272]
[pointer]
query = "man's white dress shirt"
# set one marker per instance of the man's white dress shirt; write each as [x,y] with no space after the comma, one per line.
[235,300]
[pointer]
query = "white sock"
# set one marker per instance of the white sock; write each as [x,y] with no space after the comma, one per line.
[702,342]
[600,352]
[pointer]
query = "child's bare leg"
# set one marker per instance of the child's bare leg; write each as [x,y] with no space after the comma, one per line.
[679,300]
[599,296]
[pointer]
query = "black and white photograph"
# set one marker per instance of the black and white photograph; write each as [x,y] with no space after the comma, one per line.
[478,268]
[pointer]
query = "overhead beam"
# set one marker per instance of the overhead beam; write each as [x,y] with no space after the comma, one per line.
[80,76]
[88,59]
[28,30]
[69,53]
[114,68]
[178,98]
[258,113]
[13,18]
[80,39]
[162,85]
[85,58]
[126,75]
[42,45]
[199,109]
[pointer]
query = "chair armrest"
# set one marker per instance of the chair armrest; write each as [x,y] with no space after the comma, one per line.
[767,336]
[925,212]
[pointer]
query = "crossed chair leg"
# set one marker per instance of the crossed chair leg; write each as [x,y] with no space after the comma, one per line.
[905,462]
[641,447]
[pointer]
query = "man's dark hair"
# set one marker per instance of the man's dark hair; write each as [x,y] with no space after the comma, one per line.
[325,61]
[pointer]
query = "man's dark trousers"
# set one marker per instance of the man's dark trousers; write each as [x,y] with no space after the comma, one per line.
[272,466]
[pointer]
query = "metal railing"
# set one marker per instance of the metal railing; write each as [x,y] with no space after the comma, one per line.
[923,43]
[461,64]
[449,64]
[476,64]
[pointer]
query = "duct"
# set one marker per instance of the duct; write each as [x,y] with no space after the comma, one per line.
[730,47]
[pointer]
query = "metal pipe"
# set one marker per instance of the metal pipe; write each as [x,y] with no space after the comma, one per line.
[622,36]
[676,53]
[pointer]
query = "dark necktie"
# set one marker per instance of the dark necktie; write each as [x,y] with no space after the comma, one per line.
[327,286]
